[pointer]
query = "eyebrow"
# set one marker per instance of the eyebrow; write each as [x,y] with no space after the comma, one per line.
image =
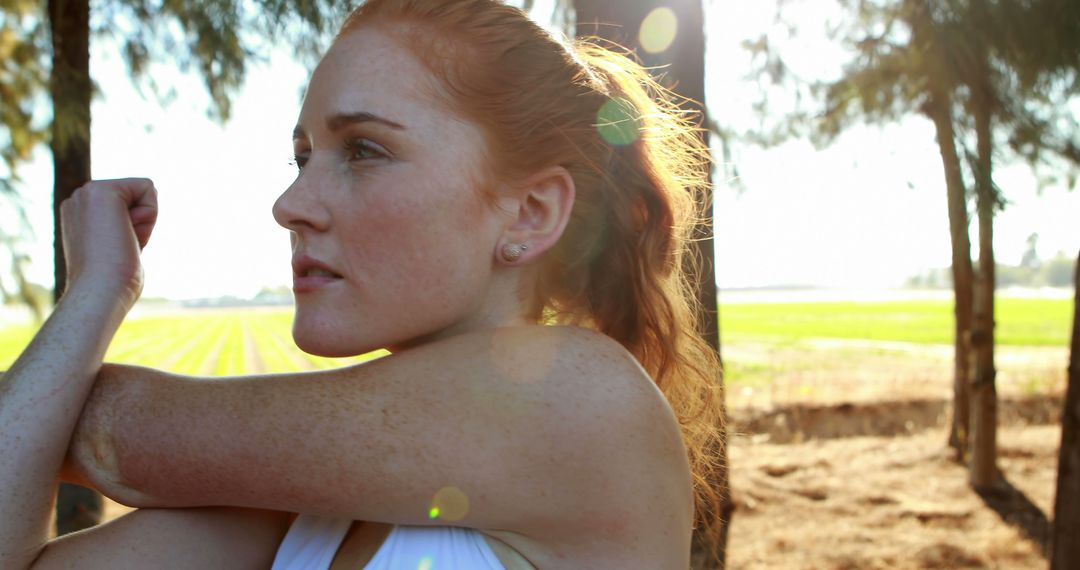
[339,121]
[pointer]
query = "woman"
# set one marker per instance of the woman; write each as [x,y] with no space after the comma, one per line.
[507,215]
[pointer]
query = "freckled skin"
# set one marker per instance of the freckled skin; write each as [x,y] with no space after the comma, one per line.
[409,232]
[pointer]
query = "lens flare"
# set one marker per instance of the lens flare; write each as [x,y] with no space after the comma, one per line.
[426,563]
[449,504]
[618,122]
[658,30]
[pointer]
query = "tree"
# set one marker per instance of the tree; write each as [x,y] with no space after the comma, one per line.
[900,67]
[682,68]
[975,72]
[1065,549]
[219,39]
[982,73]
[999,59]
[1030,259]
[1059,271]
[938,106]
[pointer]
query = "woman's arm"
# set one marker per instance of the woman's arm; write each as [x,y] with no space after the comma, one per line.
[173,539]
[535,429]
[41,396]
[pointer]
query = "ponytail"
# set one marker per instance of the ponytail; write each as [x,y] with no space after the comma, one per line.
[637,285]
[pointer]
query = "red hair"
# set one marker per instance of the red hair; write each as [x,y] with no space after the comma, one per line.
[641,173]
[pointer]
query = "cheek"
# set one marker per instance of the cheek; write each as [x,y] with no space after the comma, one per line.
[426,244]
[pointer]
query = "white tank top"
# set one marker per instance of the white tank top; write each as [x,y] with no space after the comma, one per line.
[312,542]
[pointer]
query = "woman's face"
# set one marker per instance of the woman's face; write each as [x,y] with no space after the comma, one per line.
[393,242]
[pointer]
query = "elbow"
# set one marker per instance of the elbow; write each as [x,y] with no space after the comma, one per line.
[92,460]
[93,464]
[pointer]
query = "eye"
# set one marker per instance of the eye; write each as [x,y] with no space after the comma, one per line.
[363,149]
[298,160]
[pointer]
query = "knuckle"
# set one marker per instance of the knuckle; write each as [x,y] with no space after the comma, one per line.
[90,189]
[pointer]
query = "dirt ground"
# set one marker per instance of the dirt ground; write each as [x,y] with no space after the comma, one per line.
[889,502]
[839,461]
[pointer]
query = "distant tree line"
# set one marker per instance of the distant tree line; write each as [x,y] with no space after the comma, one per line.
[1054,272]
[1058,271]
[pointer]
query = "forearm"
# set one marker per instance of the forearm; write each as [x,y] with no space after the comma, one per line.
[41,397]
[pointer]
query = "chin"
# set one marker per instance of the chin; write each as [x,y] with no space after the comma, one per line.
[327,346]
[322,349]
[323,340]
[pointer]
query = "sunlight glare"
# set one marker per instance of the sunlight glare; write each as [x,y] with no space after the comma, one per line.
[450,504]
[658,30]
[619,122]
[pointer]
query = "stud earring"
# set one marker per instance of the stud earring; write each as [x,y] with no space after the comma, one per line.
[511,252]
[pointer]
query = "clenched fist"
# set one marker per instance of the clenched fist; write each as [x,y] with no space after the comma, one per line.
[105,225]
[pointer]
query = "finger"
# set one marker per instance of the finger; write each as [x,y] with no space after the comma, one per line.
[137,191]
[143,219]
[141,198]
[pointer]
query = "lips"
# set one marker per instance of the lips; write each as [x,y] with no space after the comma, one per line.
[310,274]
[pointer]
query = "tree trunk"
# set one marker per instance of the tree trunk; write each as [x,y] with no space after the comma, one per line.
[1065,549]
[984,473]
[939,109]
[683,69]
[70,88]
[940,113]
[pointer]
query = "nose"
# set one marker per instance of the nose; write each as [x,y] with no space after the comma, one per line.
[301,208]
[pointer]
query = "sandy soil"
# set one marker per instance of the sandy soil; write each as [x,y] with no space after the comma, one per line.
[889,502]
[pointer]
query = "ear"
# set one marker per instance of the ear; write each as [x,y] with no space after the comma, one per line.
[539,213]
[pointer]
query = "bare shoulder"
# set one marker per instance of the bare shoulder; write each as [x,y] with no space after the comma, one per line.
[611,448]
[584,376]
[588,383]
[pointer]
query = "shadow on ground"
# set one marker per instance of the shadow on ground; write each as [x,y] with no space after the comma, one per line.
[1017,510]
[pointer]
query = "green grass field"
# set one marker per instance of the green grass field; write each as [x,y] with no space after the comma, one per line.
[1020,322]
[243,341]
[201,342]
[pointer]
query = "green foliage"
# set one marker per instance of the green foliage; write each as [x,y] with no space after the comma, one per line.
[217,38]
[1025,52]
[1060,271]
[24,79]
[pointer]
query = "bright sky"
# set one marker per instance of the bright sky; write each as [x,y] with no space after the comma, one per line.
[867,212]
